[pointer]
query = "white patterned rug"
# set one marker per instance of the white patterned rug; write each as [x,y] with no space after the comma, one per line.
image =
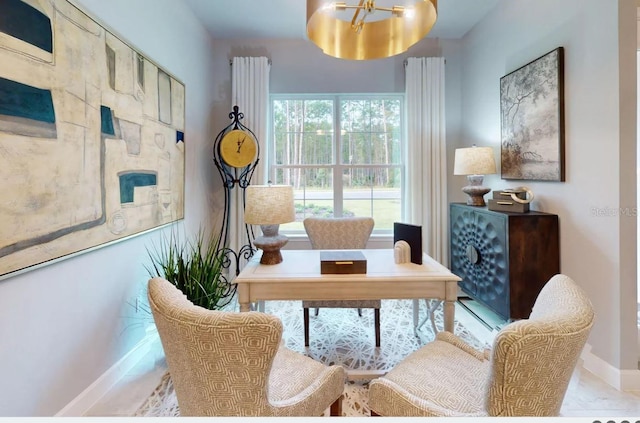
[338,336]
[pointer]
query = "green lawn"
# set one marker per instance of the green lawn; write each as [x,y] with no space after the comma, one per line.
[385,211]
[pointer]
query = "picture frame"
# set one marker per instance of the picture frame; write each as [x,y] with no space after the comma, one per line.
[92,136]
[532,120]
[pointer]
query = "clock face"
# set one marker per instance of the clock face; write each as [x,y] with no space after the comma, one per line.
[238,148]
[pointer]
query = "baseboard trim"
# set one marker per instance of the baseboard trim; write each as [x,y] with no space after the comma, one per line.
[90,396]
[622,380]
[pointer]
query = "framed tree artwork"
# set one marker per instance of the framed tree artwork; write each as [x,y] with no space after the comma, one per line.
[532,120]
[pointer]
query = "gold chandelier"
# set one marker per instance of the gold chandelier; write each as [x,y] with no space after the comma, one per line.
[363,38]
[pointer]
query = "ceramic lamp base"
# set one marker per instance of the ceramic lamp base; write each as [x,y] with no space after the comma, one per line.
[475,191]
[270,243]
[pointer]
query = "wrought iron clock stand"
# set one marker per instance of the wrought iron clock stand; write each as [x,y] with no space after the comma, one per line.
[233,176]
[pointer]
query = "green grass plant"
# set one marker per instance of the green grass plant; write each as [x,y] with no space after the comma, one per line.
[195,267]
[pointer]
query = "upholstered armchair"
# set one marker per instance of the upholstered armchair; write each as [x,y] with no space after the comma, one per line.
[526,373]
[347,233]
[233,364]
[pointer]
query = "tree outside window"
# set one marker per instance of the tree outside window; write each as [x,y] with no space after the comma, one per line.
[342,154]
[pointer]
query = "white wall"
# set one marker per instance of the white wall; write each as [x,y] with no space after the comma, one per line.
[65,324]
[598,251]
[298,66]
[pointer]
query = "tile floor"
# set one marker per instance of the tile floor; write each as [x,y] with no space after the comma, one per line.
[587,395]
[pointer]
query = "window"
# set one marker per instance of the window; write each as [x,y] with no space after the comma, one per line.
[342,154]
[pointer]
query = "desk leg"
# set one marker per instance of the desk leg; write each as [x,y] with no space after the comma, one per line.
[243,297]
[449,315]
[450,298]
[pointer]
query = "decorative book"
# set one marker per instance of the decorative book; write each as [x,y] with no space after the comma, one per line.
[512,200]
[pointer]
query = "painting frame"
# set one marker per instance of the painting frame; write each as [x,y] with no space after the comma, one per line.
[532,120]
[98,156]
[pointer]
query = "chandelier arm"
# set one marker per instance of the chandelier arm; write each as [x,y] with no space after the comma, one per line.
[394,9]
[356,13]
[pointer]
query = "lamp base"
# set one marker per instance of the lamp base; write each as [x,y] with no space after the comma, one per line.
[270,243]
[475,191]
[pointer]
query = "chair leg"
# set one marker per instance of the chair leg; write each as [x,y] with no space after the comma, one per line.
[336,408]
[360,312]
[376,318]
[306,326]
[317,311]
[432,308]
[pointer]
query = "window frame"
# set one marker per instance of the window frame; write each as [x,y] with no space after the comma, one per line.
[337,164]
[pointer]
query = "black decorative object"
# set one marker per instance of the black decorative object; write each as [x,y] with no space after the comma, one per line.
[234,175]
[412,234]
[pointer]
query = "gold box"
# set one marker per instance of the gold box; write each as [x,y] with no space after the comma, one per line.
[342,262]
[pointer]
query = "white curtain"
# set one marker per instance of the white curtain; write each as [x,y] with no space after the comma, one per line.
[426,184]
[250,92]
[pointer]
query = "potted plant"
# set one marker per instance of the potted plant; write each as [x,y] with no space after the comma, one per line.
[195,267]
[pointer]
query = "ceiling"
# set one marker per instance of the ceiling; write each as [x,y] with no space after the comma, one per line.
[250,19]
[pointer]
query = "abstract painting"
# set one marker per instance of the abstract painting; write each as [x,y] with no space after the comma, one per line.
[91,136]
[532,120]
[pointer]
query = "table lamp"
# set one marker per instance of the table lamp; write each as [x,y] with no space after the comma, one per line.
[269,206]
[475,162]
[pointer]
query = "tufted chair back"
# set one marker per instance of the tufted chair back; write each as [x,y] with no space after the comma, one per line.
[346,233]
[526,373]
[230,364]
[533,359]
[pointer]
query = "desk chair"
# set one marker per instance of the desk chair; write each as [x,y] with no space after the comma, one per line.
[526,373]
[346,233]
[234,364]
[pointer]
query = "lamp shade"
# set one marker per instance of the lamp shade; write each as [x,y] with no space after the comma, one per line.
[269,205]
[474,161]
[356,37]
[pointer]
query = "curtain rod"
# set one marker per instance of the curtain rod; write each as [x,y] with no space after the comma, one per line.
[231,62]
[406,61]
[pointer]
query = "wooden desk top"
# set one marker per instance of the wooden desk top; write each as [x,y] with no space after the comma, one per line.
[304,265]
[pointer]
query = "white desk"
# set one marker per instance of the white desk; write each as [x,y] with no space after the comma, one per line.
[298,278]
